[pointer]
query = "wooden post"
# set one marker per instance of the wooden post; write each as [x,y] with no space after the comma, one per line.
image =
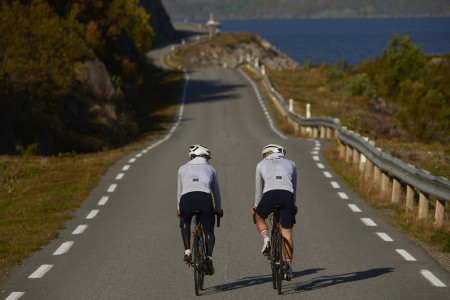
[395,191]
[376,175]
[409,198]
[439,213]
[355,157]
[384,183]
[362,162]
[348,154]
[423,206]
[368,170]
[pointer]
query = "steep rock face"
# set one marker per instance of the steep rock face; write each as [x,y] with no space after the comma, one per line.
[159,20]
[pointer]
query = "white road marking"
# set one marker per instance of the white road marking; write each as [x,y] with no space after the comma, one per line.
[15,295]
[138,155]
[92,214]
[316,148]
[125,168]
[80,229]
[63,248]
[316,158]
[119,176]
[354,208]
[103,200]
[343,195]
[132,160]
[368,222]
[405,255]
[385,237]
[320,166]
[335,184]
[314,152]
[432,279]
[41,271]
[112,188]
[327,174]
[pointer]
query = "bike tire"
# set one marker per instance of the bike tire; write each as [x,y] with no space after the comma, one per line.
[273,255]
[196,264]
[201,264]
[279,262]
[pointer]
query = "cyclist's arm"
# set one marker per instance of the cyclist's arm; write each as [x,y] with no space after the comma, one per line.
[259,185]
[294,184]
[179,190]
[216,192]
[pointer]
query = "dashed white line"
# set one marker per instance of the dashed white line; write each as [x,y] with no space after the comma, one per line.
[92,214]
[314,152]
[368,222]
[119,176]
[132,160]
[432,279]
[112,188]
[385,237]
[138,155]
[320,166]
[125,168]
[41,271]
[405,255]
[80,229]
[327,174]
[335,185]
[316,158]
[15,295]
[103,200]
[63,248]
[343,195]
[354,208]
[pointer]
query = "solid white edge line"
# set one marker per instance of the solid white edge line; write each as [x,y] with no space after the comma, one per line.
[432,279]
[63,248]
[80,229]
[15,295]
[41,271]
[354,208]
[92,214]
[343,195]
[368,222]
[385,237]
[405,255]
[103,200]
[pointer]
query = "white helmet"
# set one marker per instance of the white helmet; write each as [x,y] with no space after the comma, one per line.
[199,150]
[273,148]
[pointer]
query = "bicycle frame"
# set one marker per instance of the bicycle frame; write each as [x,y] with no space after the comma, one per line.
[277,261]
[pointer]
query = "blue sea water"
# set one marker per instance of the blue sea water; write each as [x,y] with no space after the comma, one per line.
[352,40]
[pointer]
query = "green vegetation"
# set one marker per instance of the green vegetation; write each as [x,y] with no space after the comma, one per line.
[43,46]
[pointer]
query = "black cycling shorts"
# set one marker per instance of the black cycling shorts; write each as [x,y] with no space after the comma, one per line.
[198,201]
[274,197]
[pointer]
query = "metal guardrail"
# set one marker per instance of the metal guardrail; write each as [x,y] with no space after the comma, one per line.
[420,180]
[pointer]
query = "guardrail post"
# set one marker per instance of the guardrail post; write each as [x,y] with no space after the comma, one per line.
[355,159]
[315,133]
[348,154]
[395,191]
[362,162]
[329,133]
[368,170]
[322,132]
[384,182]
[341,150]
[423,206]
[409,198]
[439,213]
[376,175]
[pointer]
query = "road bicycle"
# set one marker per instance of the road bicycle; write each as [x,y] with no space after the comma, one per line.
[198,250]
[277,261]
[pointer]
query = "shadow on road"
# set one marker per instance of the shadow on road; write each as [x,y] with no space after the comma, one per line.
[326,281]
[251,281]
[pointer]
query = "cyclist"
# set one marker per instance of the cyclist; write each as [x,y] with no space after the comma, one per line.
[276,183]
[197,180]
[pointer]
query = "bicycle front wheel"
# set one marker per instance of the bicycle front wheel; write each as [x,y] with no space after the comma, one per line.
[279,261]
[197,263]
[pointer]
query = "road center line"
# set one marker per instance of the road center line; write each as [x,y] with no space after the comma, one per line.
[335,185]
[63,248]
[15,295]
[41,271]
[368,222]
[327,174]
[405,255]
[316,158]
[385,237]
[80,229]
[431,278]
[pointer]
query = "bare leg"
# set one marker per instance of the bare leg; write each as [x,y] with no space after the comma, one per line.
[260,223]
[288,243]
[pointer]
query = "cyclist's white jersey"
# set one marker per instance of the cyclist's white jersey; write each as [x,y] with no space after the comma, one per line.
[275,173]
[198,175]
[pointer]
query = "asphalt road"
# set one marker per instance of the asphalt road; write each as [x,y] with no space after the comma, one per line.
[124,242]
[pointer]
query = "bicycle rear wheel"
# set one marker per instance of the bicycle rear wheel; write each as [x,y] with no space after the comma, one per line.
[273,256]
[279,261]
[198,270]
